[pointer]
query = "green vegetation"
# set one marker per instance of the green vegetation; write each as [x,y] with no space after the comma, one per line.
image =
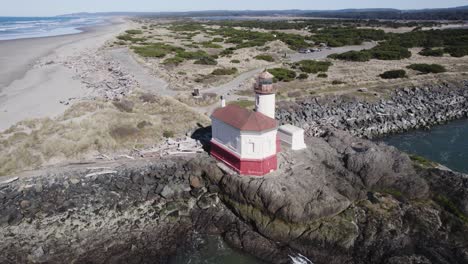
[235,61]
[282,74]
[427,68]
[337,82]
[265,57]
[187,27]
[176,60]
[128,37]
[312,66]
[338,36]
[383,51]
[155,50]
[134,32]
[224,71]
[303,76]
[450,206]
[217,40]
[211,45]
[206,60]
[457,51]
[192,55]
[227,52]
[168,133]
[432,52]
[393,74]
[322,75]
[352,56]
[422,161]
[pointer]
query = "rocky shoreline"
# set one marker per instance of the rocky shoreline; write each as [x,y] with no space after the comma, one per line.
[406,109]
[344,200]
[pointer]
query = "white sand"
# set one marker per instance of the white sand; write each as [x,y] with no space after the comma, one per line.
[29,91]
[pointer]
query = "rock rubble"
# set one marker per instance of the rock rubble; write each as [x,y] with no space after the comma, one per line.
[407,108]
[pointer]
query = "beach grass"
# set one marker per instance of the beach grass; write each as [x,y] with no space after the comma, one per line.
[89,128]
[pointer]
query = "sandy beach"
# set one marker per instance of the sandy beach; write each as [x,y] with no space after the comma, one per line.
[37,78]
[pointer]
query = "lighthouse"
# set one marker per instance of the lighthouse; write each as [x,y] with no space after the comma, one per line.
[265,94]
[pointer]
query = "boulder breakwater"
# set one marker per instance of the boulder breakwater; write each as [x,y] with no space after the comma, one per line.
[407,108]
[343,200]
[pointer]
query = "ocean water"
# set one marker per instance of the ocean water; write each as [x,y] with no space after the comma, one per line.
[445,144]
[35,27]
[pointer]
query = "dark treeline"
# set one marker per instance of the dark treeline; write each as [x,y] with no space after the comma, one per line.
[457,13]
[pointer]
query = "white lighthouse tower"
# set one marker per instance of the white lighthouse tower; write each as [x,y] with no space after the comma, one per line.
[265,96]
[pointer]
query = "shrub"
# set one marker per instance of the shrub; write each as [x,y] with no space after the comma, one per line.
[155,50]
[432,52]
[168,133]
[394,74]
[352,56]
[337,82]
[192,55]
[312,66]
[176,60]
[123,131]
[450,206]
[224,71]
[143,124]
[390,52]
[227,52]
[235,61]
[427,68]
[322,75]
[206,60]
[134,32]
[303,76]
[128,37]
[381,52]
[282,74]
[124,105]
[265,57]
[218,40]
[148,98]
[457,51]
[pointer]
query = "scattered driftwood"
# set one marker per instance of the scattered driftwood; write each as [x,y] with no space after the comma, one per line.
[179,146]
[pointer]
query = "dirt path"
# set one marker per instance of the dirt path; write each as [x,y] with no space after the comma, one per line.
[153,84]
[142,74]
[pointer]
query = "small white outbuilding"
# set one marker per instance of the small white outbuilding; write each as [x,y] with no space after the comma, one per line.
[293,136]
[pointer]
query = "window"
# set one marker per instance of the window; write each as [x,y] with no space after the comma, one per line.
[251,147]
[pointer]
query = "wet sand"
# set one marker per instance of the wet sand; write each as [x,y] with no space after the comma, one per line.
[28,91]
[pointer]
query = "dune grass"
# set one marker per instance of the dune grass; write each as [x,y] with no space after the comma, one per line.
[93,127]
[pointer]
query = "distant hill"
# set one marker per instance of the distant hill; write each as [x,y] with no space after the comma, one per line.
[454,13]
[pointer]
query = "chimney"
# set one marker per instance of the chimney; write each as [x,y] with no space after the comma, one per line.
[223,101]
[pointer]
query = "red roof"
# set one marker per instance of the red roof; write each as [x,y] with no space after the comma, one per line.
[244,119]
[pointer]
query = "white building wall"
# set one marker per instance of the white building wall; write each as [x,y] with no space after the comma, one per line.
[265,104]
[227,135]
[293,136]
[258,145]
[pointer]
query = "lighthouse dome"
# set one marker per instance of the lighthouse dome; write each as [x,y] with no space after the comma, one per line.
[265,75]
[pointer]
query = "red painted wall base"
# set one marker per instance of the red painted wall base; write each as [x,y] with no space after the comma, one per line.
[244,166]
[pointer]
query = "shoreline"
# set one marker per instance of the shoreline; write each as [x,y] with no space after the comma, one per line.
[38,82]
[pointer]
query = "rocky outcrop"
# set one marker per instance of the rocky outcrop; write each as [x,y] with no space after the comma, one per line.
[407,108]
[349,200]
[343,200]
[137,212]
